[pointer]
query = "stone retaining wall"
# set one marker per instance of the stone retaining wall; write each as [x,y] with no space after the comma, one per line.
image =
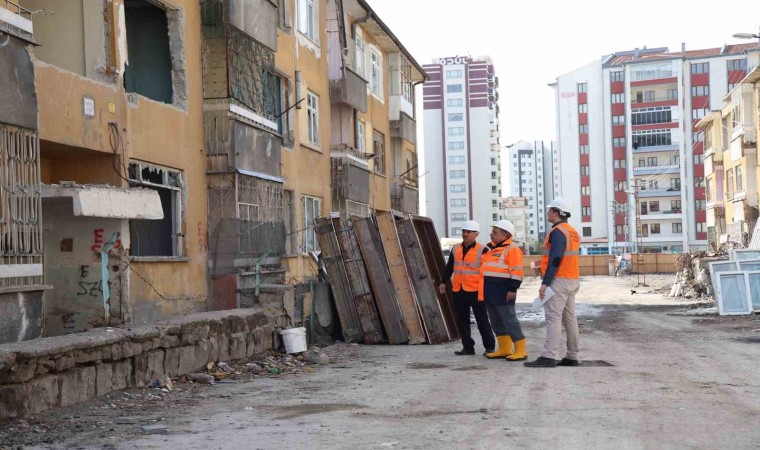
[45,373]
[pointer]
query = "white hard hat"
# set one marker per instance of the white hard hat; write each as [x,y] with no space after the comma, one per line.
[561,203]
[505,225]
[471,225]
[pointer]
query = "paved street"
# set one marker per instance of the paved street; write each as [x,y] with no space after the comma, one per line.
[673,381]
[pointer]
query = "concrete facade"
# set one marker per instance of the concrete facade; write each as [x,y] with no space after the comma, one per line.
[629,121]
[462,146]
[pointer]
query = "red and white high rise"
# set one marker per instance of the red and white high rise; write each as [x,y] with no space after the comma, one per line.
[625,124]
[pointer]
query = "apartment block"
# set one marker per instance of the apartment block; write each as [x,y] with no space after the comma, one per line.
[462,145]
[630,148]
[534,176]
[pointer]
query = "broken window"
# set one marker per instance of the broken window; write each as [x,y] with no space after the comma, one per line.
[158,237]
[149,69]
[312,207]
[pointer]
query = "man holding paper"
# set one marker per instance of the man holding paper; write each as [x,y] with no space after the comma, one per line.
[559,266]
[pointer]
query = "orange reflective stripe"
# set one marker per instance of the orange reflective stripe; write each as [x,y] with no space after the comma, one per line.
[503,262]
[569,265]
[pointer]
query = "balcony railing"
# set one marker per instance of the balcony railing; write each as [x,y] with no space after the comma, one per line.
[656,148]
[635,101]
[16,20]
[659,170]
[660,193]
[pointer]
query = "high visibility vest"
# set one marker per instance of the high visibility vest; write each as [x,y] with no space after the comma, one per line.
[568,266]
[501,262]
[466,268]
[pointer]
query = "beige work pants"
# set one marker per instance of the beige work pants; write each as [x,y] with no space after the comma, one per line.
[559,311]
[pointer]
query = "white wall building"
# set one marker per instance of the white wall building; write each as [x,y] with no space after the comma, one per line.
[534,175]
[462,153]
[626,124]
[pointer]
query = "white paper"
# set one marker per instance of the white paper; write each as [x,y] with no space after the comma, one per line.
[538,302]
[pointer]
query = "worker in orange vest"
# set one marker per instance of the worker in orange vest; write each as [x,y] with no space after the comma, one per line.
[464,264]
[561,272]
[501,275]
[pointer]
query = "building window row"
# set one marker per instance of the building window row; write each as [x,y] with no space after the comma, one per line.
[582,88]
[457,73]
[457,202]
[586,211]
[456,188]
[456,145]
[454,102]
[736,64]
[456,131]
[456,174]
[700,91]
[583,108]
[697,68]
[453,88]
[456,159]
[583,128]
[647,116]
[617,76]
[618,98]
[651,138]
[618,142]
[584,149]
[618,120]
[456,117]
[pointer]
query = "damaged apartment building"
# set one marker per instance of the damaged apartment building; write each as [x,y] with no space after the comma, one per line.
[163,157]
[107,156]
[309,108]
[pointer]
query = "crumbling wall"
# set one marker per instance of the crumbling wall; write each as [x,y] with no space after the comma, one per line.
[60,371]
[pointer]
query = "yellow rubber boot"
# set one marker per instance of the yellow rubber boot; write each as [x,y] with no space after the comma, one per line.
[504,347]
[520,354]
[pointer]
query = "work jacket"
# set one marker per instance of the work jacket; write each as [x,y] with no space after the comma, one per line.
[466,268]
[501,271]
[568,265]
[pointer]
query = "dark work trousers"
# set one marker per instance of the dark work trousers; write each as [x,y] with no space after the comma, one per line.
[463,301]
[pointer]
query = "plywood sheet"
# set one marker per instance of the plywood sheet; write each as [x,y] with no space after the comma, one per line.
[361,291]
[423,284]
[401,280]
[379,276]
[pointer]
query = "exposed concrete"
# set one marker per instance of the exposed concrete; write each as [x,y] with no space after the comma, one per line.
[21,314]
[64,370]
[18,97]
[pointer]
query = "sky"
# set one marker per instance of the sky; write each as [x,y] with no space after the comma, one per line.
[533,42]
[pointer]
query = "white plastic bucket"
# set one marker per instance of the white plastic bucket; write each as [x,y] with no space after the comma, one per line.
[294,340]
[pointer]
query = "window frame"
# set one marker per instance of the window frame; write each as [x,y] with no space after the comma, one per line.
[312,118]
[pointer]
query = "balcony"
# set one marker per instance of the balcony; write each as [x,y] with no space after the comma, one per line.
[662,215]
[660,193]
[405,196]
[16,21]
[350,89]
[656,148]
[404,128]
[656,170]
[654,101]
[350,175]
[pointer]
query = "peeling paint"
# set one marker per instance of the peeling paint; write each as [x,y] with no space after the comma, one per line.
[121,39]
[24,319]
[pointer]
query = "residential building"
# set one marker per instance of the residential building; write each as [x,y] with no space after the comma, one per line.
[516,211]
[730,140]
[121,160]
[627,123]
[21,272]
[462,146]
[534,176]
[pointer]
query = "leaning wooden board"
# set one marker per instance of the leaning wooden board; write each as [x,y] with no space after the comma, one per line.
[424,285]
[397,268]
[336,274]
[433,253]
[357,279]
[380,278]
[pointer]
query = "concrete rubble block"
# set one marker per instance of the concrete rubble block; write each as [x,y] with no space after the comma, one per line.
[64,362]
[21,372]
[42,393]
[154,429]
[238,346]
[237,324]
[187,361]
[140,370]
[103,379]
[76,385]
[316,357]
[214,327]
[126,350]
[213,350]
[85,356]
[193,332]
[170,341]
[171,362]
[250,346]
[125,420]
[7,360]
[224,348]
[13,401]
[141,333]
[155,369]
[45,365]
[105,352]
[263,339]
[117,352]
[202,350]
[122,374]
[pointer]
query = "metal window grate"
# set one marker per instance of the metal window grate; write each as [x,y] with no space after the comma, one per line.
[20,202]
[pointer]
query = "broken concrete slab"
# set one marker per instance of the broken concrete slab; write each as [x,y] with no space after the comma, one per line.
[125,420]
[154,429]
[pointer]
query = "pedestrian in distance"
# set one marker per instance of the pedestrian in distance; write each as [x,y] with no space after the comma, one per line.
[501,276]
[561,273]
[464,264]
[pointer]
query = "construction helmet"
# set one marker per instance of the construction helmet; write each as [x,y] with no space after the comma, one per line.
[561,203]
[471,225]
[505,225]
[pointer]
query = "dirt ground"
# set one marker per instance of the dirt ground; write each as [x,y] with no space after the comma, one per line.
[653,377]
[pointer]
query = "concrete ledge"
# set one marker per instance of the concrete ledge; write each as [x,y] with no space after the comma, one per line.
[44,373]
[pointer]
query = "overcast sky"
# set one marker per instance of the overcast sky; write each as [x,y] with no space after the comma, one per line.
[532,42]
